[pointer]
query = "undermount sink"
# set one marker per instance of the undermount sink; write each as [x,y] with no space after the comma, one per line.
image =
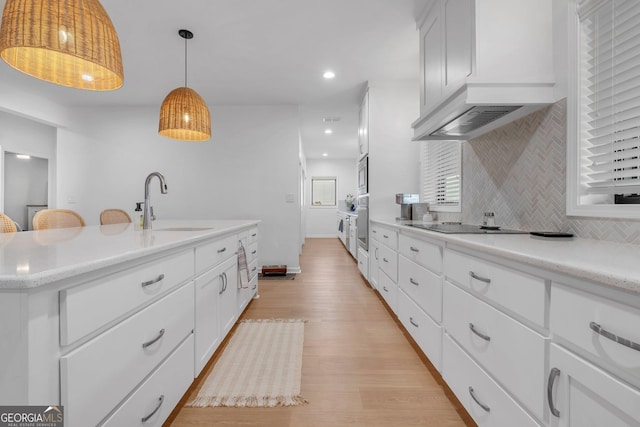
[183,229]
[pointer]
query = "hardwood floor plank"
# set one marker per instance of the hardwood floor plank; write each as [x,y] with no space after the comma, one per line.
[359,367]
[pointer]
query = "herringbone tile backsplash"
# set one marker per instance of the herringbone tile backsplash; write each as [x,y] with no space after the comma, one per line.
[519,172]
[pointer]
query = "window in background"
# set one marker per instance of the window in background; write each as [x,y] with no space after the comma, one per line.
[323,191]
[441,173]
[603,173]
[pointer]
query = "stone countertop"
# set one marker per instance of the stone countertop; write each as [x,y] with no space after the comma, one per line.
[609,263]
[35,258]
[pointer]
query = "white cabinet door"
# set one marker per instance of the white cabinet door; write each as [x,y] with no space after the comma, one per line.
[374,257]
[363,128]
[227,294]
[207,330]
[457,16]
[431,61]
[582,395]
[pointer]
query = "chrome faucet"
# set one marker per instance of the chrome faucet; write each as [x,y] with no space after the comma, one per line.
[148,210]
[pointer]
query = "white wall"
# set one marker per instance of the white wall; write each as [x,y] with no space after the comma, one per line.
[321,221]
[26,184]
[245,171]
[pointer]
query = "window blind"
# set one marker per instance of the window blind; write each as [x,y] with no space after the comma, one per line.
[610,96]
[441,174]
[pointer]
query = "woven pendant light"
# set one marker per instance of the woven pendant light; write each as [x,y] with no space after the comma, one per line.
[67,42]
[184,114]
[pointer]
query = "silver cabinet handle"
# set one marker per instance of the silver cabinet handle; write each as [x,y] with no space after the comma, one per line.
[384,259]
[413,282]
[148,343]
[553,375]
[254,234]
[385,288]
[222,250]
[254,287]
[152,281]
[160,402]
[254,269]
[376,252]
[613,337]
[253,252]
[223,287]
[413,323]
[374,231]
[385,236]
[226,281]
[414,249]
[473,396]
[481,335]
[480,278]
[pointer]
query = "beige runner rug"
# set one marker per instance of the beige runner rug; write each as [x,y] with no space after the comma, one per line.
[260,367]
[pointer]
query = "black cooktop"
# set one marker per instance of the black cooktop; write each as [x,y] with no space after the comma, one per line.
[466,229]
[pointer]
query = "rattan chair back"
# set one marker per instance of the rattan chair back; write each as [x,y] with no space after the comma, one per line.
[57,218]
[7,225]
[114,216]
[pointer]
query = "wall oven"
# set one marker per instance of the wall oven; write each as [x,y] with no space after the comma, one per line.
[363,221]
[363,175]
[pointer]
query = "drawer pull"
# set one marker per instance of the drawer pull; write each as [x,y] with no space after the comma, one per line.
[480,334]
[222,250]
[254,287]
[376,252]
[473,396]
[413,282]
[152,281]
[148,343]
[223,280]
[413,323]
[254,234]
[160,402]
[253,252]
[374,231]
[414,249]
[613,337]
[385,288]
[384,259]
[480,278]
[555,373]
[254,269]
[385,236]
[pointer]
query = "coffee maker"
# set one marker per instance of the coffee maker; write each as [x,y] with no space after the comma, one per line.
[405,201]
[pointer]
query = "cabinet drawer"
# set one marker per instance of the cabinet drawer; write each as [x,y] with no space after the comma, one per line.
[388,236]
[521,293]
[96,376]
[213,253]
[509,351]
[86,308]
[423,253]
[162,390]
[424,331]
[363,263]
[572,315]
[388,262]
[424,287]
[585,395]
[252,252]
[253,235]
[467,380]
[389,291]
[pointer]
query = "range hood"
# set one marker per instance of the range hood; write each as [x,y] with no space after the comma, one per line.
[476,109]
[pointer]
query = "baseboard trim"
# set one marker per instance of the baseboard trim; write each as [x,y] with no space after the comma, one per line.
[321,236]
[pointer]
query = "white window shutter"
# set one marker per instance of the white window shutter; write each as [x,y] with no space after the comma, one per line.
[441,174]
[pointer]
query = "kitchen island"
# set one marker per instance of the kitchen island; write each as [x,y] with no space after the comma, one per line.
[114,323]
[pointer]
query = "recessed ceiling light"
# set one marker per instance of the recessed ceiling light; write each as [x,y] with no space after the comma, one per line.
[328,131]
[329,74]
[23,156]
[325,154]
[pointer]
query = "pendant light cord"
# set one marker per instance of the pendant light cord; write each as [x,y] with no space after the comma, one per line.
[185,62]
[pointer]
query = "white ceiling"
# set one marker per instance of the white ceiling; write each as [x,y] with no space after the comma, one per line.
[258,52]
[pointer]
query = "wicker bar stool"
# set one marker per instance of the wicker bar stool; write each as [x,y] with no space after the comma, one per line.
[114,216]
[7,225]
[57,218]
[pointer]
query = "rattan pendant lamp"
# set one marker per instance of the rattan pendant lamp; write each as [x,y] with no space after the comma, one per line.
[184,114]
[67,42]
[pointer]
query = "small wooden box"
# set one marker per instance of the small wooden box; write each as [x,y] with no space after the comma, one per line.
[274,270]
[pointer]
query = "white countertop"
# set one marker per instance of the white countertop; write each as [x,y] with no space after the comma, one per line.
[609,263]
[35,258]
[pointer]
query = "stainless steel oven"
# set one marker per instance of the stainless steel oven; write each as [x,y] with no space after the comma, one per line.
[363,176]
[363,221]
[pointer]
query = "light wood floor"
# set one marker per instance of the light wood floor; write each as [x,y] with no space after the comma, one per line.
[359,368]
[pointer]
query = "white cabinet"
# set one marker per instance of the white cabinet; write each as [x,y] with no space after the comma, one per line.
[227,292]
[594,368]
[425,332]
[363,262]
[353,237]
[363,126]
[489,52]
[374,258]
[582,394]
